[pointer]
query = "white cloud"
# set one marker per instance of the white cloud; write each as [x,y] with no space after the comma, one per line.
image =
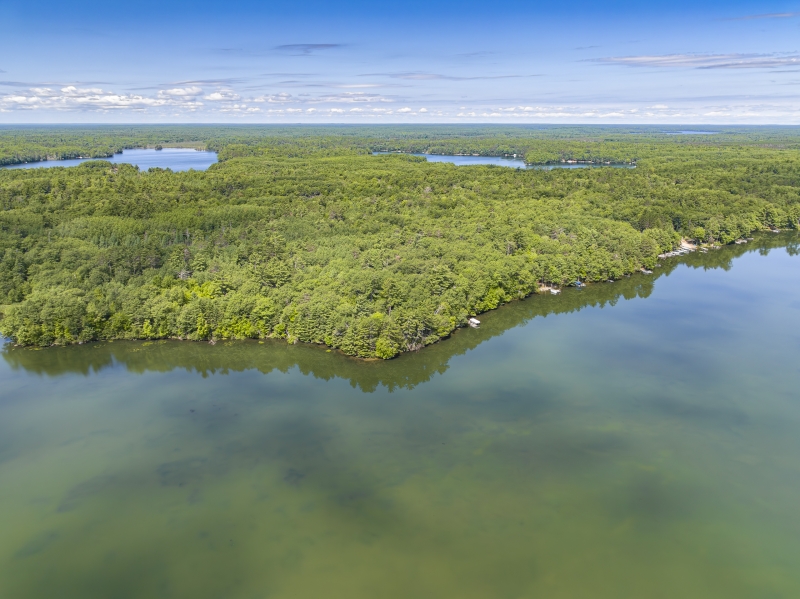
[182,92]
[224,95]
[72,98]
[73,91]
[188,99]
[240,109]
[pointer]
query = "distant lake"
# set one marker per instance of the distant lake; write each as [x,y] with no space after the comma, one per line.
[177,159]
[630,440]
[690,132]
[502,161]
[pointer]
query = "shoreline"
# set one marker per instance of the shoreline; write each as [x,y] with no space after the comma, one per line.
[176,146]
[544,291]
[514,157]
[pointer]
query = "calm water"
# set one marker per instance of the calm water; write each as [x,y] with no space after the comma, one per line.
[635,439]
[177,159]
[501,161]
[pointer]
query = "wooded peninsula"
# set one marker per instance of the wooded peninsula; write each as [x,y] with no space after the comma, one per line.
[302,233]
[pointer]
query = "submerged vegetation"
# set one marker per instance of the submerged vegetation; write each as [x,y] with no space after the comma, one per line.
[302,234]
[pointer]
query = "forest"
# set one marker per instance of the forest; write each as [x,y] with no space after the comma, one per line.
[302,234]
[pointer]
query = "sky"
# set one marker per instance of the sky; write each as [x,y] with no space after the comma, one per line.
[311,61]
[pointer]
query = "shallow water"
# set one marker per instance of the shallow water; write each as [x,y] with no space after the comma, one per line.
[635,439]
[502,161]
[177,159]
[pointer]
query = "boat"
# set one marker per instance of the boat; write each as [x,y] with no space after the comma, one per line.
[474,322]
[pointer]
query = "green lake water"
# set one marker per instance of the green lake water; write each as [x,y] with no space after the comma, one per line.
[639,439]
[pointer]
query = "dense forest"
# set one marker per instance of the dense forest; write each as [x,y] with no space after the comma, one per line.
[302,234]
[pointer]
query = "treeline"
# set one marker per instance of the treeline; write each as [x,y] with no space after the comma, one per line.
[539,144]
[372,255]
[23,144]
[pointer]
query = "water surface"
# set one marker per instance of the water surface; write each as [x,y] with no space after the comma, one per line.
[635,439]
[504,161]
[177,159]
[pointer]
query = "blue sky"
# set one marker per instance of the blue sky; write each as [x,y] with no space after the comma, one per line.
[400,62]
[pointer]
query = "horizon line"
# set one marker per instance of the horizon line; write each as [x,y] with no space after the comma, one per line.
[405,123]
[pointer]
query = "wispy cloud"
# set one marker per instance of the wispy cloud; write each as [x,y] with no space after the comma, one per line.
[282,98]
[343,98]
[302,49]
[437,77]
[706,61]
[330,85]
[224,81]
[477,54]
[352,97]
[774,15]
[50,83]
[285,49]
[289,75]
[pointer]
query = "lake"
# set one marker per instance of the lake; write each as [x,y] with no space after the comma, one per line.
[177,159]
[633,439]
[502,161]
